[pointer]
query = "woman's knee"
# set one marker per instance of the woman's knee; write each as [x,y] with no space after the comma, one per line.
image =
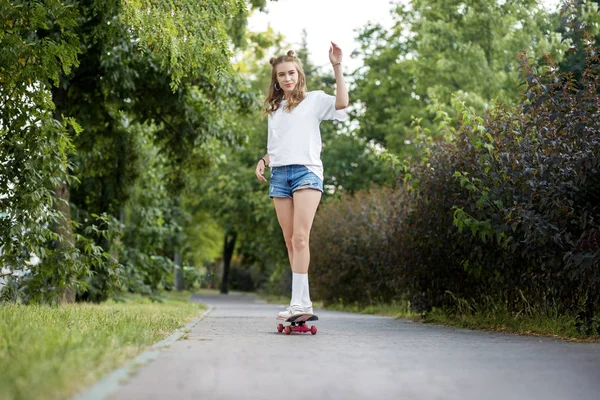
[299,242]
[289,243]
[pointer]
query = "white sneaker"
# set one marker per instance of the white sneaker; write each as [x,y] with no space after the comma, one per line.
[308,310]
[291,310]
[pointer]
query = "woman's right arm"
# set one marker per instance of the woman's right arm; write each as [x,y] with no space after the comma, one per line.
[260,168]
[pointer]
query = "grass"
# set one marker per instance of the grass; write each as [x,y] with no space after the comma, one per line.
[397,309]
[55,352]
[533,322]
[394,309]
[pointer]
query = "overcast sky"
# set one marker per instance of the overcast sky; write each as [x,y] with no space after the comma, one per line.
[324,21]
[327,20]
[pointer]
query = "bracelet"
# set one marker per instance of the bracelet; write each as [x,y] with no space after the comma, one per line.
[333,65]
[263,160]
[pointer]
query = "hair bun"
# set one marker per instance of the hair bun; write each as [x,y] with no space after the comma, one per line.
[291,53]
[272,60]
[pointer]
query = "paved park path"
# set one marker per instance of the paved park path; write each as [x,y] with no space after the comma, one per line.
[235,352]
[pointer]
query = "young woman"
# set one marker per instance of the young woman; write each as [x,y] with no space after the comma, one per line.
[294,156]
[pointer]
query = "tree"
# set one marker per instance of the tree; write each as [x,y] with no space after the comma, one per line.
[230,191]
[578,18]
[350,161]
[110,67]
[39,44]
[442,52]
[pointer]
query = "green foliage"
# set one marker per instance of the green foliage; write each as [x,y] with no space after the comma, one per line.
[56,352]
[41,41]
[495,315]
[116,104]
[39,44]
[511,185]
[578,19]
[188,37]
[229,192]
[241,204]
[440,50]
[204,239]
[245,278]
[350,162]
[350,241]
[503,211]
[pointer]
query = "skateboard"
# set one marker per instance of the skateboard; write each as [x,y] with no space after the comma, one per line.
[297,323]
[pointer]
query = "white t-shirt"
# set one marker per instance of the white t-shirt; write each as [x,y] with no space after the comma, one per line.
[295,137]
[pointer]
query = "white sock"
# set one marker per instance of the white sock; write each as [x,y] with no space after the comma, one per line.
[297,288]
[306,293]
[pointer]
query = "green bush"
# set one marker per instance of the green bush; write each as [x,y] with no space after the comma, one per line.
[241,279]
[505,207]
[349,248]
[520,189]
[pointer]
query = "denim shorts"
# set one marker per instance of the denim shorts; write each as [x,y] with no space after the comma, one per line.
[289,178]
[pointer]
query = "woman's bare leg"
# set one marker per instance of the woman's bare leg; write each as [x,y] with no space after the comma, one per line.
[284,208]
[295,219]
[305,206]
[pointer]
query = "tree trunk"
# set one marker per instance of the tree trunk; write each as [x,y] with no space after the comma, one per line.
[65,231]
[228,247]
[113,245]
[179,282]
[63,198]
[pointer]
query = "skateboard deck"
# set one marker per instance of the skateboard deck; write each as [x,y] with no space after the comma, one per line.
[297,323]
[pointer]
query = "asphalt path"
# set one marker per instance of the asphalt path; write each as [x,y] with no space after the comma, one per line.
[235,352]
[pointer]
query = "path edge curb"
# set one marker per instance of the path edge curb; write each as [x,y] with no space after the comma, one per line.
[110,383]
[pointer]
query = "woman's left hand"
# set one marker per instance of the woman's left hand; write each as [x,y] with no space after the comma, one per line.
[260,170]
[335,54]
